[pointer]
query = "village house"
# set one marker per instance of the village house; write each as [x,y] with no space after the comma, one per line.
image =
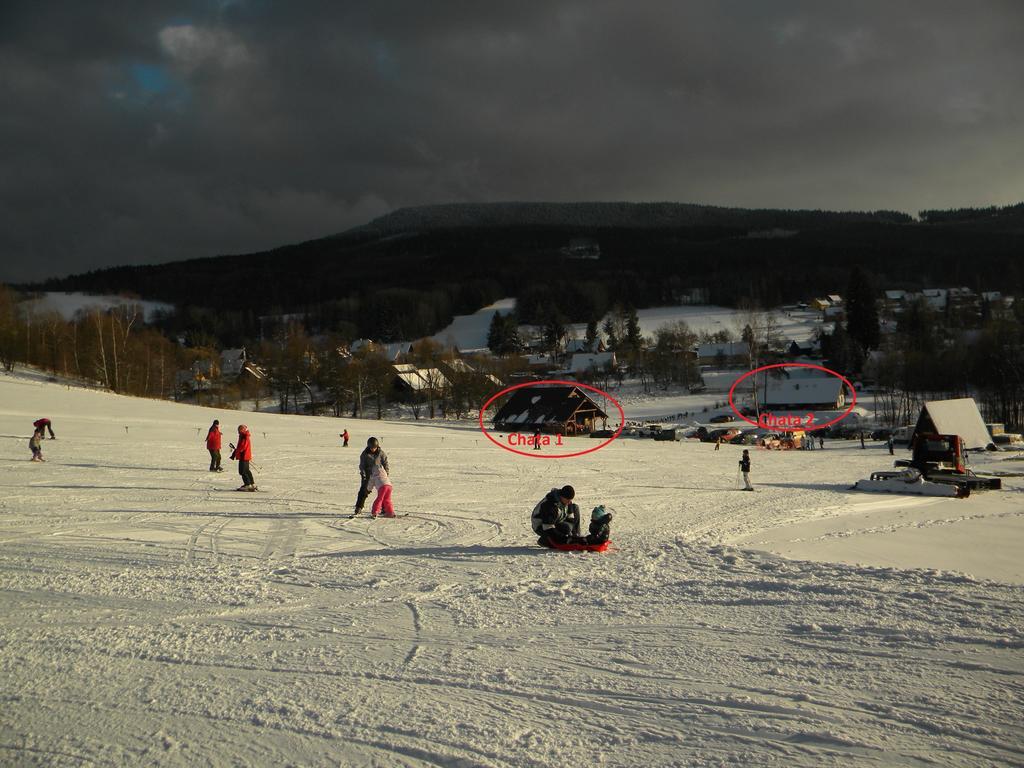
[555,409]
[232,362]
[412,380]
[591,361]
[724,353]
[802,388]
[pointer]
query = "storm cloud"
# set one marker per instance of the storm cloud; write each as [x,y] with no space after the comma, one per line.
[148,132]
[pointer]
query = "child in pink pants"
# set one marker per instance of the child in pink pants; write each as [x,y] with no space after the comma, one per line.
[382,483]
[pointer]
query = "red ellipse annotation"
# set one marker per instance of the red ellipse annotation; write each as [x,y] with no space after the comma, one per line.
[803,426]
[544,454]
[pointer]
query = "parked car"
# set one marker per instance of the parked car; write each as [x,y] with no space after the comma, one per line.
[722,417]
[881,434]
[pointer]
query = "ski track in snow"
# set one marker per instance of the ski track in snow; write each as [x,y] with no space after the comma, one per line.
[150,615]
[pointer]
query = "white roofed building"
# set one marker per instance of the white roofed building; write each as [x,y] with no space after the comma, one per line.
[959,416]
[803,388]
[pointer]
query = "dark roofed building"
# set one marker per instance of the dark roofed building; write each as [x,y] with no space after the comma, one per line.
[556,409]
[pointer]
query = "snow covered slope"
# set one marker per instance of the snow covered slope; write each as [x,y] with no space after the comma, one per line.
[151,615]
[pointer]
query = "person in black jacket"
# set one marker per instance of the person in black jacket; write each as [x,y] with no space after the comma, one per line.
[745,469]
[556,518]
[372,456]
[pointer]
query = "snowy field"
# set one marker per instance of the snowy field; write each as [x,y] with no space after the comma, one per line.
[470,331]
[67,305]
[153,616]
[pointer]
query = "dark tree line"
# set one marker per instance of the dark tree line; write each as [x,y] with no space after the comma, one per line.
[405,283]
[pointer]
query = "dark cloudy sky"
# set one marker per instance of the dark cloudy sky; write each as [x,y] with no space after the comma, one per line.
[134,132]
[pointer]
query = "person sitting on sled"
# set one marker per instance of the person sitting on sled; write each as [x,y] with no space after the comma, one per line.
[600,526]
[556,519]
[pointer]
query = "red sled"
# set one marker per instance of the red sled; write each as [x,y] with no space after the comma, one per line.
[603,547]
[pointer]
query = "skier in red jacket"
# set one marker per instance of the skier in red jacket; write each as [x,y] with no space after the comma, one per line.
[213,446]
[44,424]
[243,454]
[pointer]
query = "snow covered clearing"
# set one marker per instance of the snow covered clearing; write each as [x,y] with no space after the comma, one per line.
[152,615]
[470,331]
[67,305]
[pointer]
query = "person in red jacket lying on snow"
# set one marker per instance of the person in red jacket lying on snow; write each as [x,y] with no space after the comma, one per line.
[243,454]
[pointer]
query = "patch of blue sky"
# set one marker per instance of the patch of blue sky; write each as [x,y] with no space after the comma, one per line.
[142,84]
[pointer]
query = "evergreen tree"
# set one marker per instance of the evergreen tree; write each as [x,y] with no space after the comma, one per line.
[590,339]
[634,340]
[862,311]
[503,335]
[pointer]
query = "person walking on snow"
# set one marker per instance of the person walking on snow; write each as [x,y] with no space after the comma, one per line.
[344,439]
[35,444]
[372,456]
[213,437]
[44,424]
[745,469]
[380,480]
[556,518]
[243,455]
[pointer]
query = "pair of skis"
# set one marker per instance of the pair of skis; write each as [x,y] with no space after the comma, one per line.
[354,515]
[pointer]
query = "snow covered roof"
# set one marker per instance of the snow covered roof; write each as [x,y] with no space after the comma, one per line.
[420,379]
[729,349]
[537,406]
[587,360]
[955,417]
[805,390]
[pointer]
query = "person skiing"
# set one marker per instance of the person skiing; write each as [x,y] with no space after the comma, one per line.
[372,456]
[243,455]
[35,444]
[213,438]
[344,439]
[44,424]
[745,469]
[380,480]
[556,518]
[536,439]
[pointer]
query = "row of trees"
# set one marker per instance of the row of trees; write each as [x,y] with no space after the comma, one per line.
[108,348]
[924,361]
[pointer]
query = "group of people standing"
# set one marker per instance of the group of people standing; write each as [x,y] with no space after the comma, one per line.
[373,467]
[242,453]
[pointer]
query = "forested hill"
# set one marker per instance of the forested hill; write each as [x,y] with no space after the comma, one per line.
[406,274]
[605,215]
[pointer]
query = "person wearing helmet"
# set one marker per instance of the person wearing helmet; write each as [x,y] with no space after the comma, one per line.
[373,456]
[243,455]
[556,518]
